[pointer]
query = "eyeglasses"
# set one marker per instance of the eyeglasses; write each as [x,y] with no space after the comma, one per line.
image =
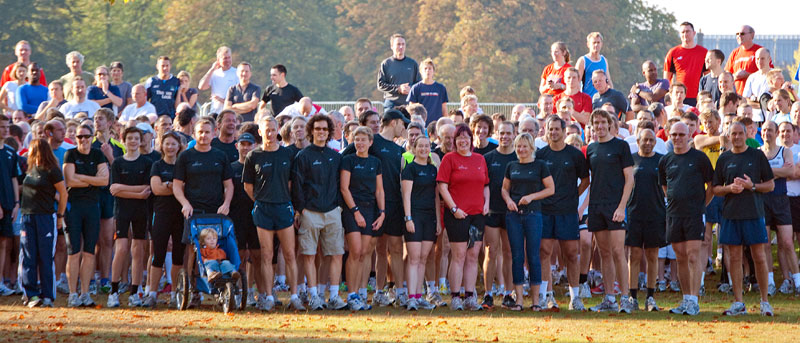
[83,136]
[320,129]
[102,74]
[741,33]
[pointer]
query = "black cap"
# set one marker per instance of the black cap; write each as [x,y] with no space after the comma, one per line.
[393,114]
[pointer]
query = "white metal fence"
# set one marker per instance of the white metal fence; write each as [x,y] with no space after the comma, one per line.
[487,107]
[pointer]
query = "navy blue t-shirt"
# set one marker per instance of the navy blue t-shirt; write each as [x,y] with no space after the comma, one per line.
[431,97]
[162,94]
[96,93]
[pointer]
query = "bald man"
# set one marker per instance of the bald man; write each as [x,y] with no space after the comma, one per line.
[652,90]
[140,106]
[757,82]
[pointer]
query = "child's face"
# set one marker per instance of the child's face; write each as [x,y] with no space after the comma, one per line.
[210,241]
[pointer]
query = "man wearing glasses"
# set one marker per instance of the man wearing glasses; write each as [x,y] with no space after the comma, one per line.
[742,60]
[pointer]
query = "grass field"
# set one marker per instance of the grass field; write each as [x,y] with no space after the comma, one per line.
[60,324]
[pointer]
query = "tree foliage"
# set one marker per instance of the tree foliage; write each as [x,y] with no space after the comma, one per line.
[332,48]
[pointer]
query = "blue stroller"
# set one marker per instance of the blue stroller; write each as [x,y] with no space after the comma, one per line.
[227,292]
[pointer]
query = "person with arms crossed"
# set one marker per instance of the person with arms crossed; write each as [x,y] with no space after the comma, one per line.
[397,74]
[79,102]
[243,97]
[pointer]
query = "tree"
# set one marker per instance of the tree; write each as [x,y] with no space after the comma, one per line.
[43,23]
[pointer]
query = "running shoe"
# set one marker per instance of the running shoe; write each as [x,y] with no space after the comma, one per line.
[93,288]
[771,289]
[401,300]
[542,300]
[675,286]
[444,289]
[616,288]
[605,306]
[354,303]
[786,287]
[86,300]
[74,300]
[650,305]
[412,304]
[488,301]
[315,303]
[635,304]
[252,298]
[725,288]
[173,300]
[34,301]
[303,295]
[296,304]
[134,300]
[576,304]
[381,299]
[471,303]
[425,305]
[113,300]
[5,291]
[702,291]
[681,309]
[196,300]
[626,304]
[457,304]
[149,301]
[371,284]
[62,286]
[585,292]
[661,286]
[599,289]
[737,308]
[18,288]
[692,309]
[435,299]
[508,301]
[268,304]
[336,303]
[550,302]
[47,302]
[766,309]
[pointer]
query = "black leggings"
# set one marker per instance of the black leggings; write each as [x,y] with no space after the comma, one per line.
[165,225]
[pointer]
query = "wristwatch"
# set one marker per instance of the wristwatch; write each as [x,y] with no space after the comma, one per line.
[454,210]
[754,188]
[407,218]
[381,211]
[354,209]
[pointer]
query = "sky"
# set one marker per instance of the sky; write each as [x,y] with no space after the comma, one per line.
[726,17]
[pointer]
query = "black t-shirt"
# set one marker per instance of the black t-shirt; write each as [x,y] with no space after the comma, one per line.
[485,150]
[293,150]
[526,178]
[438,151]
[747,204]
[269,173]
[203,174]
[131,173]
[228,148]
[84,165]
[39,191]
[391,156]
[153,156]
[9,170]
[281,97]
[240,203]
[497,163]
[363,172]
[164,203]
[607,161]
[423,191]
[685,176]
[647,198]
[567,166]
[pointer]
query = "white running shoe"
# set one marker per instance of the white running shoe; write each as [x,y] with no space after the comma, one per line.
[113,300]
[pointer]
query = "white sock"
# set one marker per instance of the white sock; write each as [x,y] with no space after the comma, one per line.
[574,292]
[147,289]
[269,297]
[442,281]
[703,279]
[431,286]
[771,278]
[543,289]
[730,280]
[302,287]
[686,297]
[796,278]
[281,279]
[611,298]
[312,291]
[362,293]
[153,294]
[168,267]
[334,291]
[693,298]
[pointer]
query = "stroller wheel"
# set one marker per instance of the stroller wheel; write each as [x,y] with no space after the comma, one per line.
[240,292]
[228,297]
[182,293]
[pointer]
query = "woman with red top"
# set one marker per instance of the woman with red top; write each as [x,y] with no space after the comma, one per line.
[553,74]
[464,186]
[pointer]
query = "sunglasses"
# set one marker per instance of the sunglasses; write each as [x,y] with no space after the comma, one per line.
[320,129]
[83,136]
[741,33]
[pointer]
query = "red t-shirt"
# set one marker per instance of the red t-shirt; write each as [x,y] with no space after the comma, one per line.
[465,177]
[688,65]
[581,100]
[743,59]
[550,70]
[7,75]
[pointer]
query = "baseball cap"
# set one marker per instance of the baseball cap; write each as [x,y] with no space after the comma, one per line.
[247,137]
[145,128]
[394,114]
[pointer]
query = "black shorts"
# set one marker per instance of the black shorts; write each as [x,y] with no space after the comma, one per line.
[166,225]
[83,226]
[273,216]
[777,210]
[646,233]
[6,224]
[368,210]
[496,219]
[393,224]
[424,226]
[563,227]
[682,229]
[794,206]
[458,229]
[245,230]
[601,218]
[106,203]
[137,225]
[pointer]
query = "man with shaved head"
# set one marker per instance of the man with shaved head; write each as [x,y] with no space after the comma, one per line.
[742,60]
[652,90]
[140,106]
[757,82]
[685,175]
[517,111]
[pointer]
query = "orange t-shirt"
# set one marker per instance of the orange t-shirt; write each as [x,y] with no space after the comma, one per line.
[550,70]
[743,59]
[212,254]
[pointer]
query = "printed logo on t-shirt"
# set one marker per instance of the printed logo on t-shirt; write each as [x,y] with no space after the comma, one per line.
[462,167]
[197,164]
[316,163]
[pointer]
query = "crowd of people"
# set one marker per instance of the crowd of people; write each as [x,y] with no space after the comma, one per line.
[605,192]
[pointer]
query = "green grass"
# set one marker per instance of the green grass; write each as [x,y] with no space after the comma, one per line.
[60,324]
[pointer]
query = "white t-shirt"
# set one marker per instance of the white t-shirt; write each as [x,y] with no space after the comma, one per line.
[220,82]
[72,107]
[293,110]
[131,111]
[660,147]
[756,85]
[11,95]
[685,108]
[539,142]
[793,186]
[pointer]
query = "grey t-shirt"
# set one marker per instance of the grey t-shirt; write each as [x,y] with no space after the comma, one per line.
[125,92]
[395,72]
[237,95]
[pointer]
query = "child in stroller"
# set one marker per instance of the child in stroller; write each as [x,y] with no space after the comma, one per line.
[214,258]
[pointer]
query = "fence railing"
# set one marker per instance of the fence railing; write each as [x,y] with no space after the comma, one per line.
[487,107]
